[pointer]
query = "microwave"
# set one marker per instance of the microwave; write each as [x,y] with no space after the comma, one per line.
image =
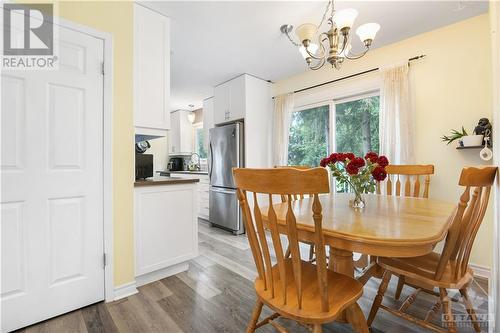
[143,166]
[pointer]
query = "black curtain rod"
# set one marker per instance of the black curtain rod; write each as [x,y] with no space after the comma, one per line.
[352,75]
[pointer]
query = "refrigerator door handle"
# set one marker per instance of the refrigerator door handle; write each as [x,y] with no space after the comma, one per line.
[237,146]
[222,191]
[210,163]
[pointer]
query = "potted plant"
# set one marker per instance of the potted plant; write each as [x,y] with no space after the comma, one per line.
[463,139]
[360,174]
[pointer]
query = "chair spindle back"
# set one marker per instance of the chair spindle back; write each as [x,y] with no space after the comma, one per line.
[398,173]
[466,220]
[286,182]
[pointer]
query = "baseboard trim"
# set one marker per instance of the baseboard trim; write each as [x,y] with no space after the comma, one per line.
[161,274]
[481,271]
[125,290]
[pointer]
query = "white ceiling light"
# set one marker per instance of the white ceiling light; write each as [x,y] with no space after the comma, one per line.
[337,38]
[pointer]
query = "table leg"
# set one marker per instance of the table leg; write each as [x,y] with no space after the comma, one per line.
[341,261]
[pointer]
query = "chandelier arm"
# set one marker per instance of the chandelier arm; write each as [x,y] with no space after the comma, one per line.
[344,44]
[357,56]
[322,47]
[318,65]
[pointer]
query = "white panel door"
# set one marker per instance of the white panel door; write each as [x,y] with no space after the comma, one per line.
[52,185]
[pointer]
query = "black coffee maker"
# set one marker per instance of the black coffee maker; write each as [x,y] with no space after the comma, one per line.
[175,164]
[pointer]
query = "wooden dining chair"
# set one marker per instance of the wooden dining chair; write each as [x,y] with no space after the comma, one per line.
[449,269]
[411,175]
[397,173]
[297,197]
[293,288]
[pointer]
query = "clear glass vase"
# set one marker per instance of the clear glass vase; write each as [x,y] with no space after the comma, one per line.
[357,201]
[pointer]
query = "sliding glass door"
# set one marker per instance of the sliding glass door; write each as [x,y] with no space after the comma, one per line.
[349,124]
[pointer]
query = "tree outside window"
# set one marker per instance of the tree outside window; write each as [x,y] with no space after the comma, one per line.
[309,133]
[356,128]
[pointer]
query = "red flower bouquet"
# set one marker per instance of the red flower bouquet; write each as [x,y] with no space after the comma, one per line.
[360,174]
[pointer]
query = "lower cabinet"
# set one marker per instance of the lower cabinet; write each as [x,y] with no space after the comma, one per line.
[203,190]
[166,229]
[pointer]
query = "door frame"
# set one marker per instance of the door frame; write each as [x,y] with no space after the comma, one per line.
[107,166]
[494,299]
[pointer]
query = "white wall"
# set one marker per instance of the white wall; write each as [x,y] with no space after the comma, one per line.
[452,87]
[159,148]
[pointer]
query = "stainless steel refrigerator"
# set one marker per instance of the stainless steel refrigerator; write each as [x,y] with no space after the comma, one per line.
[226,151]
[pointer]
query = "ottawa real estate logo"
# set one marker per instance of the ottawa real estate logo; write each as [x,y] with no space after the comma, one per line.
[28,37]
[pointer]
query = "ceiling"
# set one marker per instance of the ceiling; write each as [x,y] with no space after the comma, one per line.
[214,41]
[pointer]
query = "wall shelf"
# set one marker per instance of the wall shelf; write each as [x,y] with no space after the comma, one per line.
[473,147]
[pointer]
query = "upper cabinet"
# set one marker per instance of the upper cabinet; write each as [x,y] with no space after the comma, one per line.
[208,118]
[151,72]
[230,100]
[248,98]
[181,134]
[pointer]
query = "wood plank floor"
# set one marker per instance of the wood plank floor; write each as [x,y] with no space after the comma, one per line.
[216,295]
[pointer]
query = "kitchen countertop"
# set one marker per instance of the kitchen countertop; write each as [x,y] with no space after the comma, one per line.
[160,180]
[184,172]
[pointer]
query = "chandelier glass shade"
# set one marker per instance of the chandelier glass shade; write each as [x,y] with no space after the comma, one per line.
[334,45]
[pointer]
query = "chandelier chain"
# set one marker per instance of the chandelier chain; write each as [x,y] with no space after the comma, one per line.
[326,12]
[291,40]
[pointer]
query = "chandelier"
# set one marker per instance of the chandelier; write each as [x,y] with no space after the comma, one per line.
[334,45]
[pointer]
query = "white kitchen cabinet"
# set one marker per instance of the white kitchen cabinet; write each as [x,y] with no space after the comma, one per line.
[181,133]
[249,98]
[166,229]
[221,102]
[230,100]
[208,118]
[151,72]
[203,191]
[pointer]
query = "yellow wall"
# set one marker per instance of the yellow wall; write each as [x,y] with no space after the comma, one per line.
[452,87]
[116,18]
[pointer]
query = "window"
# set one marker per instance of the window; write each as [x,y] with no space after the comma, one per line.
[355,121]
[309,136]
[199,140]
[356,125]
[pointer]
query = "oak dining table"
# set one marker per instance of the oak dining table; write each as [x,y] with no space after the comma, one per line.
[388,226]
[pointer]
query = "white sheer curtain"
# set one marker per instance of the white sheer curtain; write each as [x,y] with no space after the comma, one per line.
[283,107]
[396,121]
